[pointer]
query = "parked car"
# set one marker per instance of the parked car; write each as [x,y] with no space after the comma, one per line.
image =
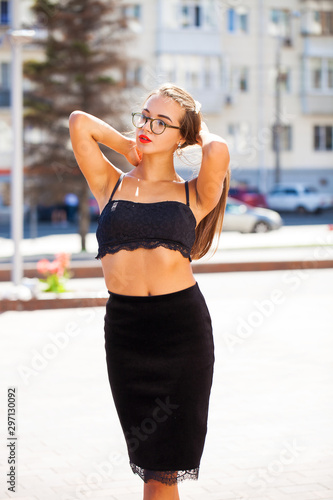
[6,213]
[241,217]
[250,195]
[298,197]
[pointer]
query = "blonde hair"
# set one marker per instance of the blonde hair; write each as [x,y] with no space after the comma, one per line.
[190,126]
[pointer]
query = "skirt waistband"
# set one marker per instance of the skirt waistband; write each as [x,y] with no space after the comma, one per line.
[154,298]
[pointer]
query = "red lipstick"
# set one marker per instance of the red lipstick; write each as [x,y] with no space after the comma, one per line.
[144,139]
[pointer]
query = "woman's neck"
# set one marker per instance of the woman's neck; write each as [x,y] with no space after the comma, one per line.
[156,168]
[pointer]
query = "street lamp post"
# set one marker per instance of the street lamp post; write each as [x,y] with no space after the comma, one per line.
[277,128]
[17,38]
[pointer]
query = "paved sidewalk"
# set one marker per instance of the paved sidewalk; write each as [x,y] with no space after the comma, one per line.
[270,433]
[288,241]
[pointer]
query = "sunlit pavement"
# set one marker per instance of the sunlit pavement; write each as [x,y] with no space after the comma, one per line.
[302,241]
[270,433]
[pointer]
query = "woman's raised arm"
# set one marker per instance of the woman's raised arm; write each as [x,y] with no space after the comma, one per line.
[86,131]
[214,166]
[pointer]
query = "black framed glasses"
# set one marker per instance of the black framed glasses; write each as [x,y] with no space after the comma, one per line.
[157,126]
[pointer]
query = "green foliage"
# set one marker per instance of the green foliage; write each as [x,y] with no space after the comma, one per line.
[81,47]
[34,68]
[105,79]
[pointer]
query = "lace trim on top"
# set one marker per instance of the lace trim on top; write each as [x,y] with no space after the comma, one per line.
[168,477]
[128,225]
[149,244]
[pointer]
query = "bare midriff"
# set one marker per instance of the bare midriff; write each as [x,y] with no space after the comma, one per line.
[144,271]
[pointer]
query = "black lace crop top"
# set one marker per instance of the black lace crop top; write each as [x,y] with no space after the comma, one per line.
[127,225]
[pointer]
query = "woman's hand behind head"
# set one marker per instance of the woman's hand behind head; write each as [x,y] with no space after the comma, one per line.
[134,156]
[204,129]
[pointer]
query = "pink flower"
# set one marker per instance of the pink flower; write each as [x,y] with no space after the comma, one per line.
[43,266]
[56,268]
[63,259]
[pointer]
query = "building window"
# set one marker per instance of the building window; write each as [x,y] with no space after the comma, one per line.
[316,22]
[4,75]
[323,138]
[285,79]
[6,137]
[133,76]
[4,84]
[167,67]
[285,138]
[207,73]
[187,14]
[132,11]
[133,15]
[279,23]
[210,11]
[243,79]
[238,136]
[191,15]
[4,12]
[330,73]
[237,20]
[191,71]
[321,74]
[316,73]
[324,22]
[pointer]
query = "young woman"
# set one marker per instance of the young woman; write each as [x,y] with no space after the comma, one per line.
[158,333]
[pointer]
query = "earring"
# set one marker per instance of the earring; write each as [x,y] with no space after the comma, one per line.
[179,152]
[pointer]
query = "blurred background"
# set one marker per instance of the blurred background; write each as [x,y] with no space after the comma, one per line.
[263,71]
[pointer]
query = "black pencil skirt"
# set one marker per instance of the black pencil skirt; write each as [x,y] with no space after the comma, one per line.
[160,360]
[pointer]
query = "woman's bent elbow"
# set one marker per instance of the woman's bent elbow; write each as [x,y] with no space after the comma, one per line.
[74,115]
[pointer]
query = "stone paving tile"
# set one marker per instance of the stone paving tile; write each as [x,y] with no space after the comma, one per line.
[41,492]
[51,478]
[325,481]
[28,481]
[20,497]
[304,495]
[125,496]
[224,494]
[299,478]
[274,494]
[298,488]
[328,494]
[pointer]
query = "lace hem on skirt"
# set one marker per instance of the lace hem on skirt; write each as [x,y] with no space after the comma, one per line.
[166,476]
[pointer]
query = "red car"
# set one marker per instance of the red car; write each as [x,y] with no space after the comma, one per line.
[249,195]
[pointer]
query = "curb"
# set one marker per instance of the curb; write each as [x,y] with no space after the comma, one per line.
[36,304]
[89,269]
[78,269]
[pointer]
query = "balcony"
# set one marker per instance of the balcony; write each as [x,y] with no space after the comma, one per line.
[317,104]
[189,41]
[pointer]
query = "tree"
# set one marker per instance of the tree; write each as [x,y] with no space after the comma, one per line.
[84,67]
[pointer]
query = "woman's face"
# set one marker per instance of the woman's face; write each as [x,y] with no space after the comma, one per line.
[166,109]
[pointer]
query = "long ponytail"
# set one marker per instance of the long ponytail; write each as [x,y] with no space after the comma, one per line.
[211,225]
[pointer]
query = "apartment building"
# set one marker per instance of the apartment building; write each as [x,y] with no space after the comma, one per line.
[253,64]
[229,54]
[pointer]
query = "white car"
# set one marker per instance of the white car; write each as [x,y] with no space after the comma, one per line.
[246,219]
[297,197]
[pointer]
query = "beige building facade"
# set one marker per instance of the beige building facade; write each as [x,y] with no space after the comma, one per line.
[228,54]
